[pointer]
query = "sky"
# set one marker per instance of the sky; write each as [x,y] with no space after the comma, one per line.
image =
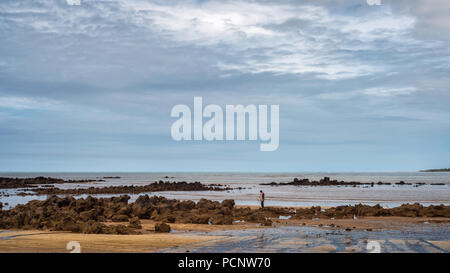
[90,87]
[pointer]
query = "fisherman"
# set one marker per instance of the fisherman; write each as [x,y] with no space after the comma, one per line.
[261,198]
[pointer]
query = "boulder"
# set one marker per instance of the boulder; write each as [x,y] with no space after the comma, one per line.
[186,205]
[204,204]
[222,220]
[135,223]
[200,219]
[169,219]
[267,223]
[162,227]
[143,201]
[226,211]
[120,229]
[229,203]
[88,215]
[120,218]
[93,227]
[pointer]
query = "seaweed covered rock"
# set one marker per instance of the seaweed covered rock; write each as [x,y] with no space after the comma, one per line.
[152,187]
[9,183]
[267,223]
[200,219]
[135,223]
[229,203]
[222,220]
[205,204]
[120,218]
[186,205]
[162,227]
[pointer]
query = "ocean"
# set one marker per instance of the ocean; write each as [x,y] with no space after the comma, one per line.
[385,195]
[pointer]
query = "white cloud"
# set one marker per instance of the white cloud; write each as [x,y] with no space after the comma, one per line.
[252,26]
[432,17]
[21,103]
[375,91]
[257,37]
[389,92]
[252,37]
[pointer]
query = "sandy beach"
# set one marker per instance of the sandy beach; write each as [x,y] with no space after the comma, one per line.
[206,238]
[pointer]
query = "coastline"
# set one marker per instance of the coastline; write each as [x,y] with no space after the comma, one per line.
[317,233]
[198,237]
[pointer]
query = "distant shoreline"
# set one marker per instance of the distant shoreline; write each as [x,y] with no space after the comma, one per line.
[436,170]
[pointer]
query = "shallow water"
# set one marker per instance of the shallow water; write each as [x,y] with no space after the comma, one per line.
[386,195]
[309,239]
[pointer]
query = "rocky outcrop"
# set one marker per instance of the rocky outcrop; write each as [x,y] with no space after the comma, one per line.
[9,183]
[153,187]
[162,227]
[97,215]
[326,181]
[405,210]
[90,215]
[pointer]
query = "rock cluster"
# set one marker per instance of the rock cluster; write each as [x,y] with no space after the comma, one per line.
[91,215]
[95,215]
[156,186]
[9,183]
[69,214]
[326,181]
[405,210]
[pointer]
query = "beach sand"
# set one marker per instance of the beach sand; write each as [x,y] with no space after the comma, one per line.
[42,241]
[185,237]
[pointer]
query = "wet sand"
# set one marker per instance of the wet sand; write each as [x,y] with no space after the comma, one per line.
[41,241]
[368,223]
[394,234]
[305,239]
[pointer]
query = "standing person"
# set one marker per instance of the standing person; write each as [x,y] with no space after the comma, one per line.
[261,198]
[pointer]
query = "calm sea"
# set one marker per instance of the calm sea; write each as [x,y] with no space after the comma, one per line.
[386,195]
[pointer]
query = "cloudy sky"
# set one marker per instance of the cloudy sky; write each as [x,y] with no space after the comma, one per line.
[90,87]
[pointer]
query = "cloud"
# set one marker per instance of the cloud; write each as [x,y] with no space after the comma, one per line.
[375,92]
[389,92]
[432,17]
[276,38]
[22,103]
[252,37]
[101,78]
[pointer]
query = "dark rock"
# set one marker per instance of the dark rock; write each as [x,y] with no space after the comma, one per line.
[200,219]
[326,181]
[229,203]
[186,205]
[135,223]
[120,218]
[162,227]
[221,220]
[153,187]
[9,183]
